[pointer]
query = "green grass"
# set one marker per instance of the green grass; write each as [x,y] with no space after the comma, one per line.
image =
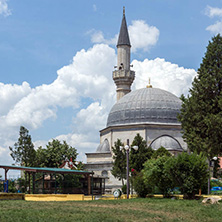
[110,210]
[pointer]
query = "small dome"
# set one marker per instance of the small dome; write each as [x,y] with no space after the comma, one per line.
[103,147]
[168,142]
[148,105]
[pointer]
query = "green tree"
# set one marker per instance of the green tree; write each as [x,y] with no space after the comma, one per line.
[41,157]
[119,163]
[160,152]
[189,172]
[23,151]
[55,154]
[201,113]
[154,173]
[140,156]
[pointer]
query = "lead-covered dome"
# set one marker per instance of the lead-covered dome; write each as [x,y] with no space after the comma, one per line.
[147,105]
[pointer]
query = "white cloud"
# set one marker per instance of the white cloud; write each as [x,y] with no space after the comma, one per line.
[163,75]
[94,117]
[98,37]
[11,94]
[214,12]
[89,76]
[142,36]
[215,28]
[4,10]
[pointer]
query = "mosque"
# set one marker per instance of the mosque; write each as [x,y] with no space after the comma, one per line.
[150,111]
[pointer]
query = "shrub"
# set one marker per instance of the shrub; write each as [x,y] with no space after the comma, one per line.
[124,189]
[188,172]
[141,188]
[154,172]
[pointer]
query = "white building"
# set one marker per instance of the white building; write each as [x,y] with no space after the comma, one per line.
[151,112]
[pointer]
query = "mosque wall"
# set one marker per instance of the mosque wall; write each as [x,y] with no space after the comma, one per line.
[98,157]
[104,170]
[127,134]
[122,134]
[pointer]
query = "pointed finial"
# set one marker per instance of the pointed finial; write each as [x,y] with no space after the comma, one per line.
[123,10]
[149,85]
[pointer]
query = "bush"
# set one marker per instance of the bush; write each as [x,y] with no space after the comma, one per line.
[188,172]
[124,189]
[155,173]
[141,188]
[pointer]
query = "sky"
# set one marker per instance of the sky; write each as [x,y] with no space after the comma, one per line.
[57,58]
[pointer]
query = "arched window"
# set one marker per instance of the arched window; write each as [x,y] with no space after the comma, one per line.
[104,173]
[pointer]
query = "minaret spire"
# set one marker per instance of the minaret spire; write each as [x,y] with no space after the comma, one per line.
[123,33]
[123,76]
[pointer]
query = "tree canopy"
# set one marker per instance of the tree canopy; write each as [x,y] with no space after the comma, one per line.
[55,154]
[119,164]
[23,151]
[160,152]
[140,156]
[201,113]
[189,172]
[154,173]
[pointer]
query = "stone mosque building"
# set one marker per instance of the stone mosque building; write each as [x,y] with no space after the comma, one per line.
[150,111]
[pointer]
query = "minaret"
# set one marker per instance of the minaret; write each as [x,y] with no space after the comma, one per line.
[123,76]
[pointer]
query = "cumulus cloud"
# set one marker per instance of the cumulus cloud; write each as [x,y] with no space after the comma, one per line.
[88,76]
[11,94]
[4,10]
[163,75]
[94,116]
[147,37]
[214,12]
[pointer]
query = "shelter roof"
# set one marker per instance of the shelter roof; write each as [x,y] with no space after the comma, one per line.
[45,170]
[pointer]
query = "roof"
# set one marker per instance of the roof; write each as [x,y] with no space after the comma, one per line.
[145,106]
[103,147]
[45,169]
[123,34]
[166,141]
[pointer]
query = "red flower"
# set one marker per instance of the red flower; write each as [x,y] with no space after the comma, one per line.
[132,170]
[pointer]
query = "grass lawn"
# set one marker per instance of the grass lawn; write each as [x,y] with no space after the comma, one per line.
[110,210]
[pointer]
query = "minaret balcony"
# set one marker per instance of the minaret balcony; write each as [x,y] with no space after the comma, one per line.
[128,74]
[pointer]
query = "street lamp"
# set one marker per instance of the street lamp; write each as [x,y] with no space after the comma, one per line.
[127,148]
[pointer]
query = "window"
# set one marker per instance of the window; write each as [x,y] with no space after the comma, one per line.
[104,173]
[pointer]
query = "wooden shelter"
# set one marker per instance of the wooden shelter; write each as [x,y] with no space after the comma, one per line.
[32,171]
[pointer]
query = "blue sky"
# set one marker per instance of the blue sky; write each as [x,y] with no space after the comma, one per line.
[57,58]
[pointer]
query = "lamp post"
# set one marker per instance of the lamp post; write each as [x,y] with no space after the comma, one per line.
[127,148]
